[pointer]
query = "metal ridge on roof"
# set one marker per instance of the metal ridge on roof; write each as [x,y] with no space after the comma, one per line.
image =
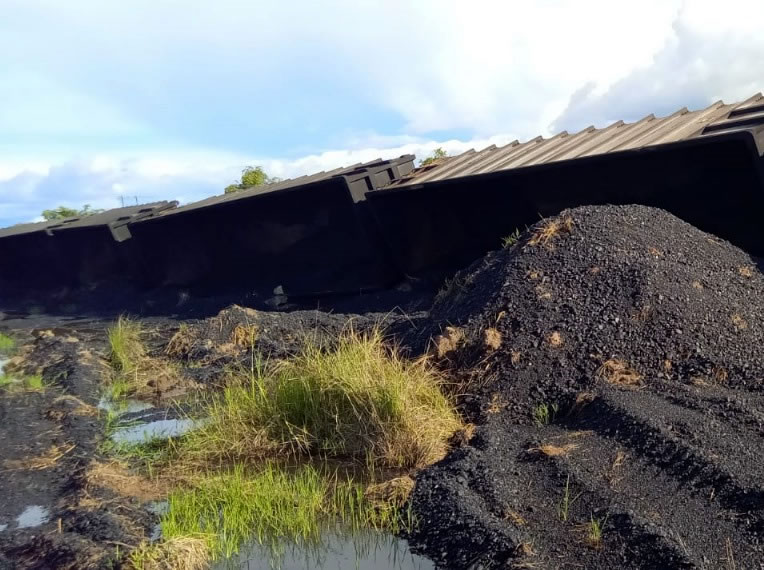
[358,170]
[113,218]
[619,136]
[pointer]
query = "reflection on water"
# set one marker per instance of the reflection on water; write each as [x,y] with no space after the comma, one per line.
[160,429]
[32,516]
[123,407]
[365,551]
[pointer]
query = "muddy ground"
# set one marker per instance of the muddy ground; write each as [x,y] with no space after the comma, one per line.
[639,335]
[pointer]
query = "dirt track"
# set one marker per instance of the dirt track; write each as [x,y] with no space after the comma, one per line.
[668,459]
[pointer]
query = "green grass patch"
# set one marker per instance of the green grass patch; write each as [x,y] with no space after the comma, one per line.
[359,401]
[15,383]
[272,507]
[544,414]
[7,344]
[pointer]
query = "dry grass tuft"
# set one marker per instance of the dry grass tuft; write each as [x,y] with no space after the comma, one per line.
[582,400]
[391,493]
[739,322]
[463,436]
[515,518]
[555,339]
[178,553]
[492,338]
[497,404]
[746,271]
[543,293]
[515,356]
[551,450]
[697,285]
[47,460]
[181,343]
[719,375]
[117,478]
[619,373]
[76,406]
[448,341]
[525,549]
[550,230]
[244,336]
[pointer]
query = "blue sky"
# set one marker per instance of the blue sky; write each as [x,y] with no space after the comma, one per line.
[169,99]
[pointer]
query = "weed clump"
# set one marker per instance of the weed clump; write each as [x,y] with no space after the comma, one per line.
[359,401]
[134,372]
[126,348]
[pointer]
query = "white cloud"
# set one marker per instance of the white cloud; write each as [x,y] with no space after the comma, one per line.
[167,99]
[711,54]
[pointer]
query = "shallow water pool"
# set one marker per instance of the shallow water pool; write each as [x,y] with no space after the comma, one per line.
[32,516]
[159,429]
[366,551]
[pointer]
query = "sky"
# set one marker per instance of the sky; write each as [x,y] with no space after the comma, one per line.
[104,102]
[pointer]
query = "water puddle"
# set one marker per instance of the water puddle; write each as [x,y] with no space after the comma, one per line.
[127,407]
[32,516]
[367,551]
[3,527]
[159,429]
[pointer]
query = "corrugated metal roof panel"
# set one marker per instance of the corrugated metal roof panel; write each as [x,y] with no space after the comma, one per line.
[370,168]
[110,218]
[619,136]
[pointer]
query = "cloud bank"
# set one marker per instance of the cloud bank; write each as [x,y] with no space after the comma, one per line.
[104,101]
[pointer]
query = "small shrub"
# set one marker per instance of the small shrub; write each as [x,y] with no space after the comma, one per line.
[437,154]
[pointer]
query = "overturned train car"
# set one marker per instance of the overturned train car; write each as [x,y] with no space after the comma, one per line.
[370,225]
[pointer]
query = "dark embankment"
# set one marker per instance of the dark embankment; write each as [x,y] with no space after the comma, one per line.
[615,355]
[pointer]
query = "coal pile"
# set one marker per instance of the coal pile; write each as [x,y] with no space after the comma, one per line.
[614,361]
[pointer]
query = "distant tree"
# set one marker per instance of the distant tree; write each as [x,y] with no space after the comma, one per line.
[437,154]
[63,212]
[251,176]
